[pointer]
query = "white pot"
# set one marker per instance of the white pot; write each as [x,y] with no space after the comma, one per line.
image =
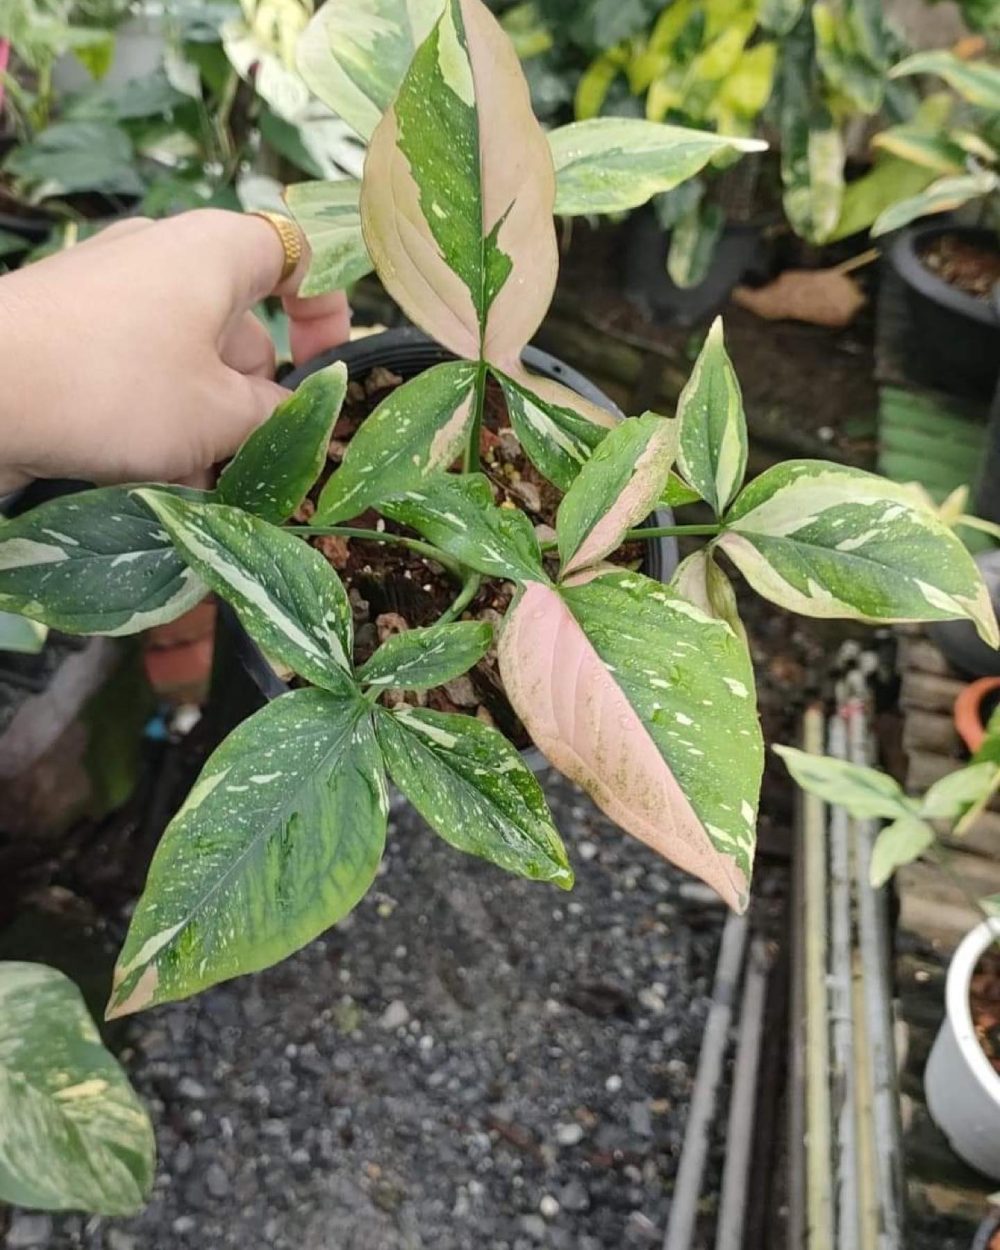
[962,1089]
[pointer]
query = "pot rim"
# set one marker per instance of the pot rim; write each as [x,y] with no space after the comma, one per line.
[915,273]
[960,970]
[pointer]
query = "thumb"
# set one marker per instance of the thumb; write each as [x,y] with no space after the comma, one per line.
[248,249]
[243,403]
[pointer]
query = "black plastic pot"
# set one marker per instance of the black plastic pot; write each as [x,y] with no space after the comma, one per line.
[739,253]
[954,337]
[408,352]
[986,1231]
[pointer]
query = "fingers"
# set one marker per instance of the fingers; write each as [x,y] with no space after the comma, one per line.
[242,403]
[248,349]
[317,324]
[118,230]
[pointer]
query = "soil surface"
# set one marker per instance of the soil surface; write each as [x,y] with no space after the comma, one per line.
[970,267]
[984,1003]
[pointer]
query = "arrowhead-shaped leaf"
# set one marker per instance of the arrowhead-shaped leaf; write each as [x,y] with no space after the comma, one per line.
[272,472]
[419,429]
[280,837]
[328,215]
[354,54]
[713,429]
[473,789]
[611,164]
[456,200]
[73,1134]
[865,792]
[421,658]
[829,541]
[617,488]
[950,797]
[98,562]
[701,582]
[287,596]
[628,690]
[975,81]
[458,515]
[897,844]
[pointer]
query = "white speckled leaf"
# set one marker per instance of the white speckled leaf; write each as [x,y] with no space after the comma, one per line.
[611,164]
[354,54]
[73,1134]
[328,215]
[280,837]
[417,430]
[628,689]
[458,515]
[701,582]
[98,562]
[287,596]
[617,488]
[865,792]
[421,658]
[713,429]
[473,789]
[272,472]
[457,194]
[829,541]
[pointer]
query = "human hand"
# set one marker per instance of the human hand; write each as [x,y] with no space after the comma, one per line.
[135,356]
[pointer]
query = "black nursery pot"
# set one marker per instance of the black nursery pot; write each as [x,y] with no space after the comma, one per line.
[986,1231]
[955,338]
[408,352]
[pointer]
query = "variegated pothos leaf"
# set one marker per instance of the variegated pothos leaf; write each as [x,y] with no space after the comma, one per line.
[419,659]
[287,596]
[329,216]
[700,581]
[829,541]
[73,1134]
[713,429]
[280,837]
[627,688]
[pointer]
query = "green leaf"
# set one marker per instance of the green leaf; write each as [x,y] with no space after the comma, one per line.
[97,562]
[286,595]
[18,633]
[73,1134]
[628,690]
[678,493]
[864,792]
[942,196]
[473,789]
[828,541]
[692,244]
[78,156]
[950,797]
[913,142]
[456,199]
[905,840]
[865,198]
[610,164]
[328,215]
[272,472]
[354,54]
[458,515]
[780,16]
[617,488]
[422,658]
[701,582]
[417,430]
[713,428]
[843,63]
[279,839]
[11,244]
[975,81]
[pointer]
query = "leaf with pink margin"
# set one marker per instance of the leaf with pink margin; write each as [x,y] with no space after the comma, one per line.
[617,488]
[458,192]
[649,705]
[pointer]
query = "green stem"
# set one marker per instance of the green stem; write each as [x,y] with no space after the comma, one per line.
[376,536]
[470,462]
[652,531]
[470,588]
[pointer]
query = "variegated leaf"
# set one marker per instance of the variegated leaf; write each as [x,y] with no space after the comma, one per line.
[280,837]
[611,164]
[617,488]
[473,789]
[701,582]
[865,792]
[458,515]
[328,215]
[272,472]
[780,16]
[21,634]
[628,689]
[354,54]
[828,541]
[932,150]
[693,241]
[845,65]
[417,430]
[975,81]
[898,844]
[286,594]
[456,201]
[942,196]
[73,1134]
[419,659]
[713,430]
[98,562]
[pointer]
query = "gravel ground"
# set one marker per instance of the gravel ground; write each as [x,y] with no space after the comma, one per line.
[469,1061]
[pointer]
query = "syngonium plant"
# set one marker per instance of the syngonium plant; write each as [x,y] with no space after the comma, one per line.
[641,692]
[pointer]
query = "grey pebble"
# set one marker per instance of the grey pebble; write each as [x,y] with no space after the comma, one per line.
[28,1229]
